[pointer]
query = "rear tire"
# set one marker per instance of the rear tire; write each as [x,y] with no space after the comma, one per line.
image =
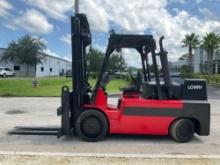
[182,130]
[92,126]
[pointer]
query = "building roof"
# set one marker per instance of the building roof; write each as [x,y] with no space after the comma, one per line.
[47,55]
[56,57]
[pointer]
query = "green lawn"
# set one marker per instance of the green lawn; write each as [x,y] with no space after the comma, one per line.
[211,79]
[47,86]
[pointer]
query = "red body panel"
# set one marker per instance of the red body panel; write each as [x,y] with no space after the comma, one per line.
[140,102]
[141,125]
[121,123]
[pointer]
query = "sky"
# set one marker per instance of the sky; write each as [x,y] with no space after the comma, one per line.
[50,20]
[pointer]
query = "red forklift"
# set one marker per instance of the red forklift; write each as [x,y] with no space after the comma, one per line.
[153,106]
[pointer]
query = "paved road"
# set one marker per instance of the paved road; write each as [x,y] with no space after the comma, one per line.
[213,92]
[42,112]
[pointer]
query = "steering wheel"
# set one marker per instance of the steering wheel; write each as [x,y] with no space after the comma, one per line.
[105,80]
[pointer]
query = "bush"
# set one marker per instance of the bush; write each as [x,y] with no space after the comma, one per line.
[185,69]
[211,79]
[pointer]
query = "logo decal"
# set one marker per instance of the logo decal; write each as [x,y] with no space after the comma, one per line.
[194,87]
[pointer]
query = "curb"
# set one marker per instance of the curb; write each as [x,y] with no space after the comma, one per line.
[214,85]
[99,158]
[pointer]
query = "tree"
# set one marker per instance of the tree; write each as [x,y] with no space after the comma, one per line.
[132,70]
[27,50]
[10,54]
[117,63]
[191,41]
[94,61]
[185,69]
[211,41]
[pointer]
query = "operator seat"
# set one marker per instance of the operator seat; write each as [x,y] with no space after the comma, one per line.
[149,90]
[133,89]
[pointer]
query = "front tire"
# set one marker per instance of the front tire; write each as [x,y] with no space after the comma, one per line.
[182,130]
[92,126]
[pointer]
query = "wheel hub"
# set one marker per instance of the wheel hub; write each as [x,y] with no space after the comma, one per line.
[185,130]
[91,126]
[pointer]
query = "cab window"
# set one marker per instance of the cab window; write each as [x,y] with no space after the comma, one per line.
[7,69]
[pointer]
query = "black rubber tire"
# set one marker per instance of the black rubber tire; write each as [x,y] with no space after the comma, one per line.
[92,126]
[182,130]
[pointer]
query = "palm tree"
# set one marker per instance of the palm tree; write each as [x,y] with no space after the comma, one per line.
[191,41]
[211,41]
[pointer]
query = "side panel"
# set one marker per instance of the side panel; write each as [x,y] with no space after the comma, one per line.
[141,102]
[201,112]
[153,125]
[140,116]
[154,117]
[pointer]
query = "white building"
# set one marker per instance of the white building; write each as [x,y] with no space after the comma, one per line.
[200,59]
[199,62]
[175,67]
[50,66]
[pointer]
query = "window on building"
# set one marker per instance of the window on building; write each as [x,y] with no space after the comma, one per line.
[42,69]
[218,68]
[51,69]
[16,68]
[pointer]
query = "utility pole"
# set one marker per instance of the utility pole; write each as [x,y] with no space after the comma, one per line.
[76,6]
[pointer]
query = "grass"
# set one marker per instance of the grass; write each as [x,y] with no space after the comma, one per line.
[116,84]
[47,87]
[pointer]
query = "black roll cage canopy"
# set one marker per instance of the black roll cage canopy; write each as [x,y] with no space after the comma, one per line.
[144,44]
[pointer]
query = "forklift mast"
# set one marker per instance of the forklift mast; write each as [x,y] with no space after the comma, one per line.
[81,38]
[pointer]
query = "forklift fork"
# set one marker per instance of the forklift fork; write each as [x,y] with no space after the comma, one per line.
[63,111]
[20,130]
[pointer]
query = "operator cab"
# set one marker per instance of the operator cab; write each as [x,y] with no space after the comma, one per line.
[143,44]
[145,87]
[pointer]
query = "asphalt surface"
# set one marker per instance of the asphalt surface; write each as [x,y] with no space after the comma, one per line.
[213,92]
[42,112]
